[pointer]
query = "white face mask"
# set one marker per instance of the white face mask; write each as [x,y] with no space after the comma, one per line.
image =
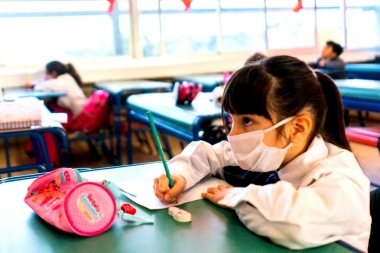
[252,154]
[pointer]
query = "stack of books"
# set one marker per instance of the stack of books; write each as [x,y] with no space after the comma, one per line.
[22,113]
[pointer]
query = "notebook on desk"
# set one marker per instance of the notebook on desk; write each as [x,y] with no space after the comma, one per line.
[141,192]
[21,113]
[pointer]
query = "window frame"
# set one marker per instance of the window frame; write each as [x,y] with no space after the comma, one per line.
[136,50]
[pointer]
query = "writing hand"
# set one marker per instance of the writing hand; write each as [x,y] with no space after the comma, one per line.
[164,192]
[215,194]
[28,85]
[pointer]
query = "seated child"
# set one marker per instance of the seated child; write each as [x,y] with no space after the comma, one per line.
[64,78]
[255,57]
[294,178]
[61,77]
[330,63]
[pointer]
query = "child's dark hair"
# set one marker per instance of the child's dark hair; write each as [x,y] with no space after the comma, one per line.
[338,49]
[286,85]
[61,69]
[254,58]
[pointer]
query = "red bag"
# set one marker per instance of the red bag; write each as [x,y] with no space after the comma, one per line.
[94,116]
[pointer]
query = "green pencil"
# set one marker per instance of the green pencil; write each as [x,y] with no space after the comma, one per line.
[159,147]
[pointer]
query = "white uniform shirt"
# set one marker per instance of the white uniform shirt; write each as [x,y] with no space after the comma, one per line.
[323,195]
[75,98]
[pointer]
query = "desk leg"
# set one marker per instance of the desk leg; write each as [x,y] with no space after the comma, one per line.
[117,125]
[37,151]
[64,151]
[39,148]
[129,139]
[45,155]
[64,144]
[6,147]
[167,145]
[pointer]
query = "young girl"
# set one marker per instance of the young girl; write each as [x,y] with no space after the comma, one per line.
[286,119]
[61,77]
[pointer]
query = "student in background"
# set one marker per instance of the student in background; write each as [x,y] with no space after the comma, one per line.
[63,77]
[330,63]
[293,176]
[218,92]
[255,57]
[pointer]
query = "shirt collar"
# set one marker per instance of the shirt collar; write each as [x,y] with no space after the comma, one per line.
[296,170]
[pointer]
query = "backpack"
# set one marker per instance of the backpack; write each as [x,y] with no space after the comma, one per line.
[94,116]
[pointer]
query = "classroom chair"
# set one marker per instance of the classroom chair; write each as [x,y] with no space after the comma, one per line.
[140,131]
[92,125]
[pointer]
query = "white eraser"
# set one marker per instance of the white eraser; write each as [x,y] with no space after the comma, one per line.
[179,214]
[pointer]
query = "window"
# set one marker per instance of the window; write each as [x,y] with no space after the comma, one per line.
[330,22]
[40,31]
[35,31]
[363,34]
[290,30]
[238,25]
[193,31]
[242,31]
[242,25]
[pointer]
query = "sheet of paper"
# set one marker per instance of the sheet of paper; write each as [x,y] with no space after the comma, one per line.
[144,194]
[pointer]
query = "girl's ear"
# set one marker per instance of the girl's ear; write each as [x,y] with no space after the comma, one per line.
[300,128]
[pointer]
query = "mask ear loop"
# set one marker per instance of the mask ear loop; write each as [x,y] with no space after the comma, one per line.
[282,122]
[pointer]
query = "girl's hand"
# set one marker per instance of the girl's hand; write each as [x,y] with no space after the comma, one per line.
[214,194]
[28,85]
[164,192]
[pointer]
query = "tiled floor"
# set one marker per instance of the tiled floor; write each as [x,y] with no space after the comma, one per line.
[367,156]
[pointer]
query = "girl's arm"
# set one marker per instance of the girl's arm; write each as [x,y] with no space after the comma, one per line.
[200,159]
[332,208]
[50,84]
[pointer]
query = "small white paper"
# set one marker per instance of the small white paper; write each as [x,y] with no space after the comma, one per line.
[143,190]
[57,116]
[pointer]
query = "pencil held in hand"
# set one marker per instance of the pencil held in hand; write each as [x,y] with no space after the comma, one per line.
[27,82]
[159,148]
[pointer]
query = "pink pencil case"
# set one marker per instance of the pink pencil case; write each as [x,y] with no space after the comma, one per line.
[69,202]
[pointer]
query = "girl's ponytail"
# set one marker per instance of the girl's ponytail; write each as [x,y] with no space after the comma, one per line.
[72,71]
[333,128]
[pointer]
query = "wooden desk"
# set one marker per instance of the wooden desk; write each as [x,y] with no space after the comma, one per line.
[181,121]
[213,229]
[119,91]
[10,94]
[363,70]
[209,82]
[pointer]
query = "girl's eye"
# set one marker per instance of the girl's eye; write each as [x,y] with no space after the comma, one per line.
[247,121]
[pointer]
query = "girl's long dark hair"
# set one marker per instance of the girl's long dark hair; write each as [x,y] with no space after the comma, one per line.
[286,86]
[61,69]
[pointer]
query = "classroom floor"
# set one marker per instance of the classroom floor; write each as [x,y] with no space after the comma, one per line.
[367,156]
[81,156]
